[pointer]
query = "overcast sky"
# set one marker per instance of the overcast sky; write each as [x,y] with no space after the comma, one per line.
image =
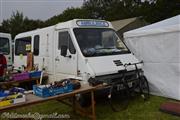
[36,9]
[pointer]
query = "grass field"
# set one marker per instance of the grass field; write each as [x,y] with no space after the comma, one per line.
[137,110]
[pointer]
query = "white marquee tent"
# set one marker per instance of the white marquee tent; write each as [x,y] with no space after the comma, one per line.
[158,45]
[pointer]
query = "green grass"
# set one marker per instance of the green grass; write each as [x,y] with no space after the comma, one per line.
[137,110]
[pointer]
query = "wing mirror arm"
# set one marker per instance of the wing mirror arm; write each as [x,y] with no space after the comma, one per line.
[64,51]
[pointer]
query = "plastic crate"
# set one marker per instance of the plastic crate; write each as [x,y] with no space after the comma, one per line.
[65,89]
[35,74]
[68,88]
[20,76]
[43,91]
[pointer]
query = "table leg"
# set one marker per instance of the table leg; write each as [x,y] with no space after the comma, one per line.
[37,82]
[93,106]
[74,104]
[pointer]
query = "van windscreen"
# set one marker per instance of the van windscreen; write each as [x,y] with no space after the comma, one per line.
[4,45]
[99,42]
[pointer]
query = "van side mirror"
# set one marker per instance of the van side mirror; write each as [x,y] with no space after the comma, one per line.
[64,50]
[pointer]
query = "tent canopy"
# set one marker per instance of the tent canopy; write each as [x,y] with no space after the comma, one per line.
[168,25]
[158,45]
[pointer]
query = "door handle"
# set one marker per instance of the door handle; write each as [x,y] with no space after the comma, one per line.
[69,56]
[57,59]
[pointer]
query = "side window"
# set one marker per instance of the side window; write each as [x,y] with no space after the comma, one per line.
[36,45]
[65,39]
[22,46]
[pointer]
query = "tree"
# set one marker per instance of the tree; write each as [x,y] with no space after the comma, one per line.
[161,9]
[13,25]
[112,9]
[18,23]
[150,10]
[68,14]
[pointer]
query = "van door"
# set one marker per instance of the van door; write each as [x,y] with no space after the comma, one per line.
[5,48]
[65,64]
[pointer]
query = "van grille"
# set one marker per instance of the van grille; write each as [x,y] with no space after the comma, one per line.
[117,62]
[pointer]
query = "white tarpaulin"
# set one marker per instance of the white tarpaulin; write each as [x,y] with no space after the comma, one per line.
[158,45]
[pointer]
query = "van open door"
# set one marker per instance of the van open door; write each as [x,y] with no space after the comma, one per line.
[6,47]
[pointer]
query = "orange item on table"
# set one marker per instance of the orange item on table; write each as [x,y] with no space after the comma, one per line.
[30,61]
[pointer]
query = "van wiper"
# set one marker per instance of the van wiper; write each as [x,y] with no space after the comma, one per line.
[5,52]
[104,48]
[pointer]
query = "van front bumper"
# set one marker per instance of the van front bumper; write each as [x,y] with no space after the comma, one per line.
[129,76]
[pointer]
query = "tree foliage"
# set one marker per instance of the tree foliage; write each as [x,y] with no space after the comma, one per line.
[111,9]
[18,23]
[150,10]
[160,9]
[68,14]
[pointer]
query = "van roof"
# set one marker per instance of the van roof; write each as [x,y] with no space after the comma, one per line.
[63,25]
[29,33]
[7,35]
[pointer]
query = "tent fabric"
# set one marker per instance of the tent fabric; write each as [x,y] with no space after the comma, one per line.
[168,25]
[158,45]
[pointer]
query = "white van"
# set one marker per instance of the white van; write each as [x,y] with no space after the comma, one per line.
[79,48]
[6,47]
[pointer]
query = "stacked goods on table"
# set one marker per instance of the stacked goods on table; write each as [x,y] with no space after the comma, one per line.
[29,71]
[12,96]
[22,76]
[59,87]
[7,76]
[26,75]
